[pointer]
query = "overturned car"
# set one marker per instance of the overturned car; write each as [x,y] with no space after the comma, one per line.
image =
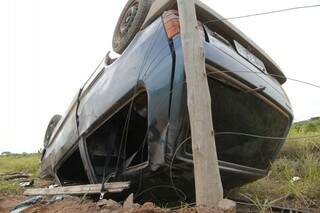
[130,120]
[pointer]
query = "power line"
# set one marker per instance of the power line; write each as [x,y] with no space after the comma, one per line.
[265,13]
[261,73]
[267,137]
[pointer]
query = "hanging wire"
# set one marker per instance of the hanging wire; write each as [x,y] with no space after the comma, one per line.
[161,186]
[264,13]
[261,73]
[267,137]
[171,165]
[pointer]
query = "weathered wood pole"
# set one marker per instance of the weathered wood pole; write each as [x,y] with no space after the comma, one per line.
[208,185]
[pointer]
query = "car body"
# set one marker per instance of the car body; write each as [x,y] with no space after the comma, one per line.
[131,118]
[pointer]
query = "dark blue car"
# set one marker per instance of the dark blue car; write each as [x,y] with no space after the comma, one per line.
[130,121]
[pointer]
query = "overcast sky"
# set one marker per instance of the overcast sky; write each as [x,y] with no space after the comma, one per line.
[48,49]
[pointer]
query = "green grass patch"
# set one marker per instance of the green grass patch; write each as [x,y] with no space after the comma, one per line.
[27,163]
[298,158]
[8,188]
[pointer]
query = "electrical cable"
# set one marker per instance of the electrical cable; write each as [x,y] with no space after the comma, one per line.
[264,13]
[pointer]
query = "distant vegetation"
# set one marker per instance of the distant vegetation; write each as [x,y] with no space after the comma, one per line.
[294,179]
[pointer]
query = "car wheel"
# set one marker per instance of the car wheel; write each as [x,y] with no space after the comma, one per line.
[52,124]
[129,23]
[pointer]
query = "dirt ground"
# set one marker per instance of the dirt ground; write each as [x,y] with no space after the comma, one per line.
[74,204]
[7,203]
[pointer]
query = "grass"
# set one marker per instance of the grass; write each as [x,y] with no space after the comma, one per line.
[28,163]
[298,158]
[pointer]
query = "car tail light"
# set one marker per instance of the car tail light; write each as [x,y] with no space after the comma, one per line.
[172,24]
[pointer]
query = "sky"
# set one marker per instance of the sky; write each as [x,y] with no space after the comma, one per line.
[49,48]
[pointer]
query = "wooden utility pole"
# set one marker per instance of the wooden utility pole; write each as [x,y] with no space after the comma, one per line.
[208,185]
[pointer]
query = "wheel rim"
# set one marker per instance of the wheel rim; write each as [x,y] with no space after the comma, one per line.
[129,18]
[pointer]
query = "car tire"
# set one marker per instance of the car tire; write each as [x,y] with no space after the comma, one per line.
[129,23]
[52,124]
